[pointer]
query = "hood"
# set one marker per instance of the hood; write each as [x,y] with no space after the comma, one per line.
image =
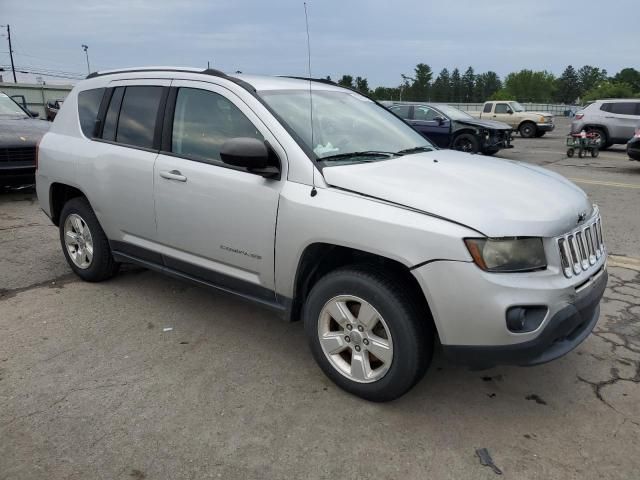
[490,124]
[499,198]
[21,132]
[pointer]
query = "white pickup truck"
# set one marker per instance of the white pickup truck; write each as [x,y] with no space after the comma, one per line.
[529,124]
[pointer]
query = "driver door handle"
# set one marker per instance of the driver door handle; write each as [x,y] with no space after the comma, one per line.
[173,175]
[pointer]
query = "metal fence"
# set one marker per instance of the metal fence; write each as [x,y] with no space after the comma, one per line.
[36,96]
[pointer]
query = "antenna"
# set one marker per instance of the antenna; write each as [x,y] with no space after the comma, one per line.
[314,192]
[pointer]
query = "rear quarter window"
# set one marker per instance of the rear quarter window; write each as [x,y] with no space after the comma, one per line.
[88,106]
[487,108]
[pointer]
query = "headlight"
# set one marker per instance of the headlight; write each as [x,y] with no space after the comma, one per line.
[543,119]
[507,254]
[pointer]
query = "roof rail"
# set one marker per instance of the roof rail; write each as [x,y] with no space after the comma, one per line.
[207,71]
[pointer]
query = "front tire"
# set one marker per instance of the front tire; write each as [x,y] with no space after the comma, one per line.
[465,142]
[84,243]
[528,130]
[540,134]
[367,333]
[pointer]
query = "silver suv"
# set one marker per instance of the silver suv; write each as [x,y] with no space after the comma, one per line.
[613,121]
[350,220]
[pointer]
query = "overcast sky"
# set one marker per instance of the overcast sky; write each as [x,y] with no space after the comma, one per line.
[377,39]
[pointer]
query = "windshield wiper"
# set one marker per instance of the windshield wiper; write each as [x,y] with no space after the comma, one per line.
[368,153]
[414,150]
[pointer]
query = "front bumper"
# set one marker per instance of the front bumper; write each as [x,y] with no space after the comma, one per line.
[567,329]
[497,140]
[545,127]
[13,176]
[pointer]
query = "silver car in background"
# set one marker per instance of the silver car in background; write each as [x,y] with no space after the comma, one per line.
[612,121]
[349,220]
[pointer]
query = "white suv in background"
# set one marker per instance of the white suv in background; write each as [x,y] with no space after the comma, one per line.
[613,121]
[381,243]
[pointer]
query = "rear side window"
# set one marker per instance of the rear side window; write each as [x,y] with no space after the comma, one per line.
[402,111]
[88,106]
[487,108]
[606,107]
[203,121]
[623,108]
[138,112]
[501,108]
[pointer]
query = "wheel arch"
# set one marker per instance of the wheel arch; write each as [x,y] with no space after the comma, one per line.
[527,120]
[319,259]
[59,194]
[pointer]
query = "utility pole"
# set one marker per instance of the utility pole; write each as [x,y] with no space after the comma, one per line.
[13,68]
[86,48]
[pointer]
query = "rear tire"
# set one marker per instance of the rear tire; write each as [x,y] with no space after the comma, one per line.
[84,243]
[465,142]
[528,130]
[334,311]
[601,138]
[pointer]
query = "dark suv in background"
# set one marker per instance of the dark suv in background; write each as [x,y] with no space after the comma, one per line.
[449,127]
[612,121]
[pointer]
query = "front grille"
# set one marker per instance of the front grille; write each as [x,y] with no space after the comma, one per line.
[18,154]
[582,248]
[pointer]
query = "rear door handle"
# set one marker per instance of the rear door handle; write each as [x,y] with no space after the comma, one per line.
[173,175]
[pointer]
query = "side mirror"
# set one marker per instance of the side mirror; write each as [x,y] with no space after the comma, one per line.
[509,111]
[440,120]
[249,153]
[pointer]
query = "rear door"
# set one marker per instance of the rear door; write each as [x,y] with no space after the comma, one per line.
[216,222]
[120,173]
[622,119]
[432,124]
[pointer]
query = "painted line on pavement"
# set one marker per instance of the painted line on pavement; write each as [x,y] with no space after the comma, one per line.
[606,184]
[624,262]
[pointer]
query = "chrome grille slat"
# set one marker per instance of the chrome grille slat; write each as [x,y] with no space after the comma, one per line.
[581,248]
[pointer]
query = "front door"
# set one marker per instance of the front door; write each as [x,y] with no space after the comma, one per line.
[432,124]
[215,222]
[501,114]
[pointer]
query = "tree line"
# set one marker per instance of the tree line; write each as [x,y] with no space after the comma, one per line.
[574,86]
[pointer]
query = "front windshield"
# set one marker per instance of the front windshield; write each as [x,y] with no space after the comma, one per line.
[454,113]
[517,107]
[346,126]
[10,108]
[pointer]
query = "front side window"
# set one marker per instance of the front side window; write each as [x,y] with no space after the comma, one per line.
[137,119]
[502,108]
[425,113]
[346,126]
[88,106]
[9,108]
[203,121]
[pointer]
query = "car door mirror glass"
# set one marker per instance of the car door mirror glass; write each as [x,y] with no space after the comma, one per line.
[440,120]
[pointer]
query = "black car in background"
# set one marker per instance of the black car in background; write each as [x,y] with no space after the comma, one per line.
[633,146]
[19,135]
[449,127]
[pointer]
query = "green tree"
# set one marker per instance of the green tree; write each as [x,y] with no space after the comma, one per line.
[567,86]
[456,86]
[609,90]
[468,84]
[362,85]
[386,93]
[590,77]
[490,83]
[441,88]
[346,81]
[530,86]
[420,89]
[501,94]
[630,76]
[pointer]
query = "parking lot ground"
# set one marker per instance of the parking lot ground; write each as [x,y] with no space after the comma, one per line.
[92,386]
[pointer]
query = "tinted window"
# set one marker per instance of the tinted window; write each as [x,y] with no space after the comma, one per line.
[88,106]
[606,107]
[501,108]
[203,121]
[402,111]
[111,119]
[425,113]
[623,108]
[137,120]
[487,108]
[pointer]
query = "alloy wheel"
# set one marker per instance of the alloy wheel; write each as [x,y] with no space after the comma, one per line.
[78,241]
